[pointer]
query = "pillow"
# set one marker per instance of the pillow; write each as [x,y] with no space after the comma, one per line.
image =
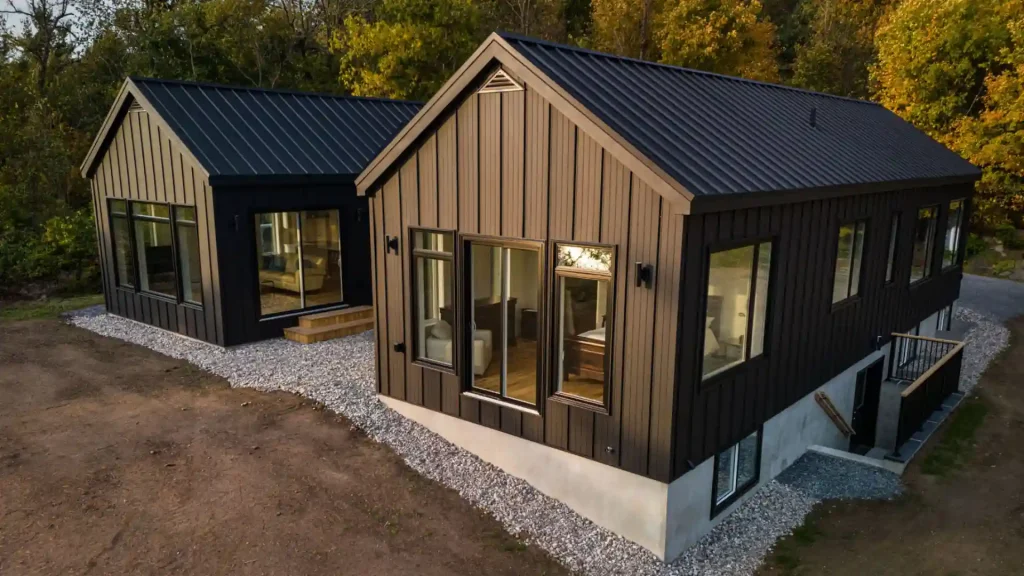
[441,330]
[707,323]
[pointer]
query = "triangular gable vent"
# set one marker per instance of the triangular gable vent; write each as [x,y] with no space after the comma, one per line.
[500,82]
[135,107]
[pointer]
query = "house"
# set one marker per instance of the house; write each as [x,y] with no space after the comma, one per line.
[645,289]
[225,213]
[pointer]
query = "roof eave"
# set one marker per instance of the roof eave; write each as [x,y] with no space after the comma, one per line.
[264,180]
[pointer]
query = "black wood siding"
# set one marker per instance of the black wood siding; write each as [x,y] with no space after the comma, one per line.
[236,236]
[807,342]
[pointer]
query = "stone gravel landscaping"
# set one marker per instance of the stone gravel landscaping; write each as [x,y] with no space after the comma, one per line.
[340,375]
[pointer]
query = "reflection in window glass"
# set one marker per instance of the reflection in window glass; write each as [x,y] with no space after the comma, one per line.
[584,277]
[153,247]
[890,265]
[189,269]
[732,319]
[505,281]
[121,235]
[954,220]
[846,281]
[277,252]
[736,469]
[321,257]
[924,243]
[434,290]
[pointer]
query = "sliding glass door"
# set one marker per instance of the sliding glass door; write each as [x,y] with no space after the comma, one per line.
[298,257]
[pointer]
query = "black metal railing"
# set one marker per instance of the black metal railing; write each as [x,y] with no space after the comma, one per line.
[929,389]
[911,356]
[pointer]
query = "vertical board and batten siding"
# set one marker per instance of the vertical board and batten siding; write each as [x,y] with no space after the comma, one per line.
[143,163]
[509,164]
[808,341]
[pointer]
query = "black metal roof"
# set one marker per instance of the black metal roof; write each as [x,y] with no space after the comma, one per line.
[722,135]
[252,134]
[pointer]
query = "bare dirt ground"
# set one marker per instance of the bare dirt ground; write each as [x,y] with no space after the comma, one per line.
[117,460]
[963,513]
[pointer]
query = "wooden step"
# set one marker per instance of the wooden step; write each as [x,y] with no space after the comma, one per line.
[333,317]
[304,335]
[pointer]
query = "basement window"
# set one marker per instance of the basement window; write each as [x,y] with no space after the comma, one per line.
[849,257]
[737,470]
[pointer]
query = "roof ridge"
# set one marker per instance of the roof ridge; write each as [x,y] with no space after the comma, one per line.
[218,86]
[530,40]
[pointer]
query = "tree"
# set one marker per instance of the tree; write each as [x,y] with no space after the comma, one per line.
[840,47]
[46,29]
[724,36]
[626,27]
[413,47]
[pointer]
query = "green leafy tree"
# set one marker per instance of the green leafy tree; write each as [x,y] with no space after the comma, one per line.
[840,46]
[725,36]
[626,27]
[410,50]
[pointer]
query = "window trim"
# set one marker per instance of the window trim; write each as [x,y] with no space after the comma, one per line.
[892,256]
[452,258]
[740,490]
[850,297]
[958,254]
[464,319]
[559,272]
[929,263]
[710,380]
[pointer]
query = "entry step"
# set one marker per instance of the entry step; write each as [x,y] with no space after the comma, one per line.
[332,317]
[304,335]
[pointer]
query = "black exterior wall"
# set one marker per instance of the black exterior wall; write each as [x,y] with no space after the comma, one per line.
[808,340]
[235,210]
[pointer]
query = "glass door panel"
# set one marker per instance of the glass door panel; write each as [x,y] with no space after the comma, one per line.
[277,260]
[486,263]
[321,258]
[523,288]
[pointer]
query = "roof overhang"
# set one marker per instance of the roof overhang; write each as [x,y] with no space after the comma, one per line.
[129,93]
[496,50]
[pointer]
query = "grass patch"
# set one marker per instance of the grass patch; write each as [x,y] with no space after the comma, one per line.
[953,449]
[785,558]
[49,308]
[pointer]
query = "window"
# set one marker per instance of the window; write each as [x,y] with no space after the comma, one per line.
[154,250]
[890,264]
[736,471]
[945,319]
[188,254]
[924,243]
[954,222]
[121,235]
[433,291]
[505,280]
[908,348]
[736,306]
[298,258]
[849,255]
[584,277]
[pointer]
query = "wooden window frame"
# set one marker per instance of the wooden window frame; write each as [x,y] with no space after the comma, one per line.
[559,272]
[850,296]
[710,380]
[719,507]
[450,257]
[958,253]
[929,262]
[892,256]
[464,275]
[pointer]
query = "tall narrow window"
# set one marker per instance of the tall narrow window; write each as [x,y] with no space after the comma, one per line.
[190,272]
[849,255]
[503,281]
[890,264]
[433,293]
[924,243]
[954,222]
[121,234]
[154,251]
[736,471]
[584,277]
[736,306]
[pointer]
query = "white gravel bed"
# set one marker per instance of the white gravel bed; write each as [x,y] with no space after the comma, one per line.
[984,341]
[340,375]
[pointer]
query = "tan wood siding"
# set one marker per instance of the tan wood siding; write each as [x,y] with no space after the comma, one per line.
[144,164]
[511,165]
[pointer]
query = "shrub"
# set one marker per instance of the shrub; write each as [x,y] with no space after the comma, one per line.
[1010,237]
[975,245]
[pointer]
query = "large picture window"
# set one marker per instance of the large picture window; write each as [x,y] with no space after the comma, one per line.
[190,272]
[121,233]
[849,256]
[154,249]
[736,471]
[584,276]
[433,294]
[298,256]
[954,222]
[504,280]
[890,263]
[924,243]
[736,306]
